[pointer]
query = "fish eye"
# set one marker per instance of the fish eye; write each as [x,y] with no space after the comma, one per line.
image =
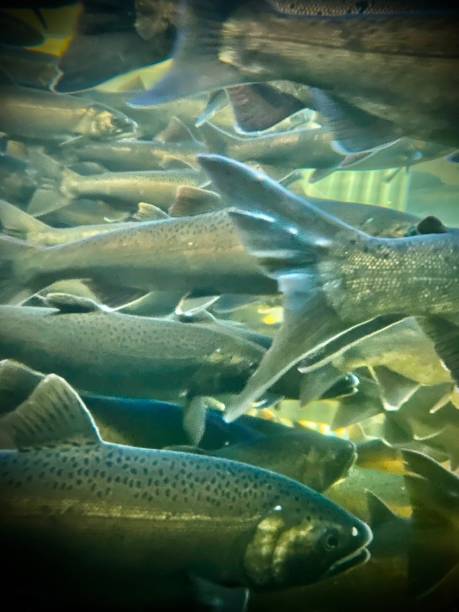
[331,540]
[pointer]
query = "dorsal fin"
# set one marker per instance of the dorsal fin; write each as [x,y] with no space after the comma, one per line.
[175,131]
[54,413]
[191,201]
[149,212]
[17,382]
[379,512]
[431,225]
[68,304]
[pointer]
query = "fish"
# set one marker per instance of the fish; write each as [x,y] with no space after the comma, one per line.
[157,187]
[38,115]
[61,462]
[303,454]
[18,223]
[312,148]
[222,44]
[211,259]
[202,254]
[128,154]
[202,361]
[336,280]
[297,148]
[413,564]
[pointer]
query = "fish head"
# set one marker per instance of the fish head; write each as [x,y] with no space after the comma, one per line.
[324,459]
[337,458]
[288,550]
[108,123]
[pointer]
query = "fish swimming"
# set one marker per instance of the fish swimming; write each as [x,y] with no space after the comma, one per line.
[128,154]
[405,46]
[401,572]
[335,278]
[66,492]
[34,114]
[157,187]
[312,148]
[202,254]
[303,454]
[17,223]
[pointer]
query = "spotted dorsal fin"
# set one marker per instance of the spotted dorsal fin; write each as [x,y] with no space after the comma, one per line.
[53,414]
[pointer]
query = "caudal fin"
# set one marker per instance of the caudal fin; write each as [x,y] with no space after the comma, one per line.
[19,224]
[196,66]
[17,280]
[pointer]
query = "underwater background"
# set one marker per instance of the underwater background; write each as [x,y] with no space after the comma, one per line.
[229,280]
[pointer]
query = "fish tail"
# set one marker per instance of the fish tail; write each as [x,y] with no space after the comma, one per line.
[19,263]
[196,65]
[17,223]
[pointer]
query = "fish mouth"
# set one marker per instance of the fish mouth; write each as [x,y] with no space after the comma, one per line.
[358,557]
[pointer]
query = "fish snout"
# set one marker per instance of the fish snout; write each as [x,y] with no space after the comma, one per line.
[346,546]
[110,124]
[286,552]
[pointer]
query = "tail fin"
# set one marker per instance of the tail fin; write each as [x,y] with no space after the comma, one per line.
[16,278]
[17,223]
[196,66]
[290,238]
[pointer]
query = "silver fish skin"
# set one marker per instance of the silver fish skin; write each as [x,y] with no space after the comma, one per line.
[151,357]
[405,47]
[158,187]
[20,224]
[129,154]
[35,114]
[202,253]
[332,273]
[69,490]
[313,148]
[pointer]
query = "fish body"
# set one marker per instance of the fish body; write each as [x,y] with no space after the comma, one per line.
[121,507]
[304,455]
[34,114]
[202,253]
[313,148]
[140,154]
[16,222]
[404,47]
[158,187]
[332,271]
[299,148]
[124,355]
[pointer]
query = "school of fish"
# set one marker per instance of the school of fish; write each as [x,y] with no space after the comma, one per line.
[218,393]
